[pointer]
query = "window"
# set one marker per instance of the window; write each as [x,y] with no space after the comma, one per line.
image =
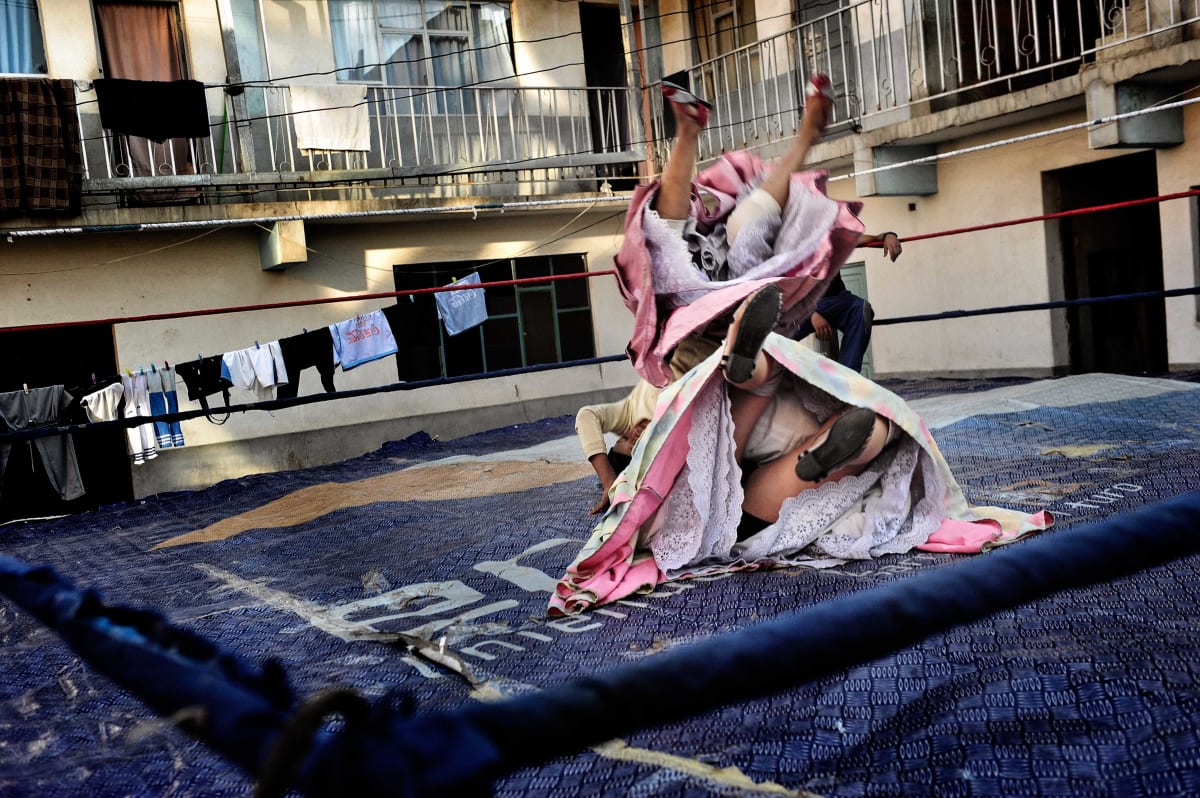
[528,325]
[21,48]
[421,42]
[722,26]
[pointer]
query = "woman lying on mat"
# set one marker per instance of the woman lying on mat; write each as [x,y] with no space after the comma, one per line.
[802,462]
[767,422]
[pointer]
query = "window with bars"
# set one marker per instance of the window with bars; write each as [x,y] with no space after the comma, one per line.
[528,324]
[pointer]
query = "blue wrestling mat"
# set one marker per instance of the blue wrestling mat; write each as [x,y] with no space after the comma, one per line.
[1090,692]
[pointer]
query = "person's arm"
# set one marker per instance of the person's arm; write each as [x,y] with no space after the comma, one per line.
[607,475]
[821,326]
[889,242]
[591,422]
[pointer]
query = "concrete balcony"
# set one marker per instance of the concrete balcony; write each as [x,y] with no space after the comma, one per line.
[425,145]
[894,62]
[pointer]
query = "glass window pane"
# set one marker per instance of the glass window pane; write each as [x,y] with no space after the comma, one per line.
[446,16]
[535,267]
[575,335]
[537,326]
[355,43]
[570,293]
[406,64]
[247,31]
[502,344]
[21,49]
[401,14]
[451,65]
[501,300]
[492,42]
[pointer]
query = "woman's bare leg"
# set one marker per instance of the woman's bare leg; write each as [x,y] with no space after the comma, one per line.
[812,125]
[674,200]
[775,481]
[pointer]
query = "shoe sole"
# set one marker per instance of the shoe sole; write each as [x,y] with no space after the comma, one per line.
[846,440]
[759,318]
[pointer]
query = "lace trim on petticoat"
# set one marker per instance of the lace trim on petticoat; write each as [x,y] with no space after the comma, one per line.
[766,247]
[704,507]
[892,506]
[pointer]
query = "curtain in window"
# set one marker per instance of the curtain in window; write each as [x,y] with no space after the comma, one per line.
[406,62]
[140,41]
[494,54]
[355,44]
[20,38]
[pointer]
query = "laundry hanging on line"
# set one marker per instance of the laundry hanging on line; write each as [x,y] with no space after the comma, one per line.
[362,339]
[330,117]
[258,368]
[31,408]
[463,309]
[154,109]
[41,160]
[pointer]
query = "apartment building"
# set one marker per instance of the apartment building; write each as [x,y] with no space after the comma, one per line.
[232,170]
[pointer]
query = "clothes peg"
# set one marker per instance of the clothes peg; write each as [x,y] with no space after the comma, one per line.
[93,378]
[256,346]
[25,387]
[153,369]
[166,364]
[127,371]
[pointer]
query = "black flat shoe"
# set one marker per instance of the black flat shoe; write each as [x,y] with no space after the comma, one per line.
[846,439]
[760,314]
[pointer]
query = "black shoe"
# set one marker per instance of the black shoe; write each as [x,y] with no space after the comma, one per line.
[844,441]
[760,314]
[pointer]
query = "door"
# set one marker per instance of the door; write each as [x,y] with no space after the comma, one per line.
[854,275]
[143,41]
[80,355]
[1112,253]
[605,75]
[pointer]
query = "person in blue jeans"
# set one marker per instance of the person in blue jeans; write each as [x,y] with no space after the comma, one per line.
[841,310]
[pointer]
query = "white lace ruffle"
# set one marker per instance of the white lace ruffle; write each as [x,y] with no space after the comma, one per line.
[765,247]
[703,509]
[892,506]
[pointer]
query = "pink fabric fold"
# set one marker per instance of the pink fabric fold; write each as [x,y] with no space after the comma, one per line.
[957,536]
[803,277]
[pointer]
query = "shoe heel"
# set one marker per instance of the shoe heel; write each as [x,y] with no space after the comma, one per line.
[759,317]
[846,439]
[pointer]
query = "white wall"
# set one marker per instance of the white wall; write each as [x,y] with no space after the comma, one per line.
[540,62]
[69,31]
[89,277]
[1002,266]
[1179,170]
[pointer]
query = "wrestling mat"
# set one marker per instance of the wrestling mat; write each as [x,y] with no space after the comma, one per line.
[1091,692]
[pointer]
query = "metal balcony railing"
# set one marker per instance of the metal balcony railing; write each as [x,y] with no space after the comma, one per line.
[415,132]
[885,56]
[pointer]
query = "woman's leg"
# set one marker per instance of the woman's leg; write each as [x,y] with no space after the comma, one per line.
[777,480]
[742,361]
[674,200]
[818,105]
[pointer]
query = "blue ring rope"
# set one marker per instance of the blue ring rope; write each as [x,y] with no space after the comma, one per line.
[463,752]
